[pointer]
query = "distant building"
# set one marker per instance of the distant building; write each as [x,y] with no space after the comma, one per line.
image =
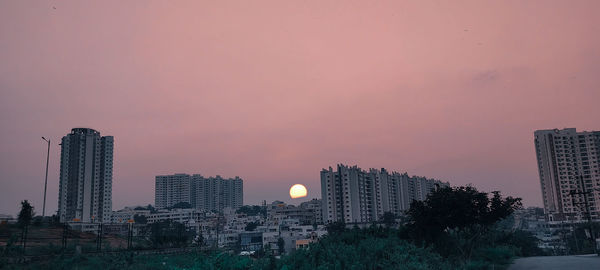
[316,207]
[6,219]
[216,193]
[86,169]
[353,195]
[172,189]
[251,241]
[183,216]
[279,211]
[211,194]
[304,243]
[568,165]
[127,214]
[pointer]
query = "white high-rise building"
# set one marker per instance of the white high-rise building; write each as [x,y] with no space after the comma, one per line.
[213,193]
[353,195]
[216,193]
[85,188]
[569,166]
[172,189]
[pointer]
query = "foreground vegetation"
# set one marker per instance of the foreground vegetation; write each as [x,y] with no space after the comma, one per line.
[455,228]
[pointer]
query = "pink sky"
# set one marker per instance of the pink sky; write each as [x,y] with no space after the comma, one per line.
[273,91]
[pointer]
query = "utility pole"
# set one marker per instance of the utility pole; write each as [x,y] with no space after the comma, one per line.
[99,239]
[46,181]
[130,236]
[65,236]
[586,206]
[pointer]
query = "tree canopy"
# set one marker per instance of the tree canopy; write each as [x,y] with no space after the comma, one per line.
[26,214]
[252,210]
[251,226]
[181,205]
[455,221]
[458,208]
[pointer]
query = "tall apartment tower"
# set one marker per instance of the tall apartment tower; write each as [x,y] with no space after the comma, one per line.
[217,193]
[86,165]
[213,193]
[569,165]
[353,195]
[172,189]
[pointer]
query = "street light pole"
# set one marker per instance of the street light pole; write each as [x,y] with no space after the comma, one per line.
[46,181]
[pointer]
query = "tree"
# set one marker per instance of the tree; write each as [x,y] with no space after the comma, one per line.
[459,216]
[198,240]
[26,214]
[169,233]
[251,226]
[335,227]
[389,219]
[148,207]
[526,242]
[24,219]
[281,245]
[252,210]
[182,205]
[140,219]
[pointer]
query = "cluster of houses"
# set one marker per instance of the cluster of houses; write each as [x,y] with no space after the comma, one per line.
[278,227]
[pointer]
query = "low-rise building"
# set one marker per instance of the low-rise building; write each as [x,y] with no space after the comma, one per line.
[178,215]
[127,214]
[251,241]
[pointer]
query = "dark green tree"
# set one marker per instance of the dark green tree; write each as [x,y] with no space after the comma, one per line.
[456,218]
[169,234]
[182,205]
[335,227]
[281,245]
[389,219]
[252,210]
[24,219]
[140,219]
[251,226]
[525,242]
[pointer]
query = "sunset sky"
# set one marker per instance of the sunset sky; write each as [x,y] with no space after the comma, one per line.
[273,91]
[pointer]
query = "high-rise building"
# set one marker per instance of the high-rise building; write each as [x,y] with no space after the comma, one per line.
[213,193]
[568,165]
[353,195]
[85,189]
[172,189]
[216,193]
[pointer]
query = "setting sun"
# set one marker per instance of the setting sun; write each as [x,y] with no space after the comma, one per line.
[298,191]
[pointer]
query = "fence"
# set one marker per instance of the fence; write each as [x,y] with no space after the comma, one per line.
[38,242]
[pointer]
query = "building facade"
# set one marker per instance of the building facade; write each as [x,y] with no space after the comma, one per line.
[172,189]
[86,169]
[217,193]
[353,195]
[210,194]
[568,165]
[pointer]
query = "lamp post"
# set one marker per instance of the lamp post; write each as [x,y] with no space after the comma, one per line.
[46,181]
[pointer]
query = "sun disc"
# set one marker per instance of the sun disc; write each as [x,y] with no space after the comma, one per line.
[298,191]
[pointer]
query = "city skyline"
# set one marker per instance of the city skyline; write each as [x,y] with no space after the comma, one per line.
[275,92]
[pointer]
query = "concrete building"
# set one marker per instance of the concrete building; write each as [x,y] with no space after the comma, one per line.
[127,214]
[568,165]
[216,193]
[279,211]
[86,169]
[182,216]
[251,241]
[353,195]
[210,194]
[172,189]
[314,206]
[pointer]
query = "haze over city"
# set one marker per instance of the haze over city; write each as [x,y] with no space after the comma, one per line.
[273,92]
